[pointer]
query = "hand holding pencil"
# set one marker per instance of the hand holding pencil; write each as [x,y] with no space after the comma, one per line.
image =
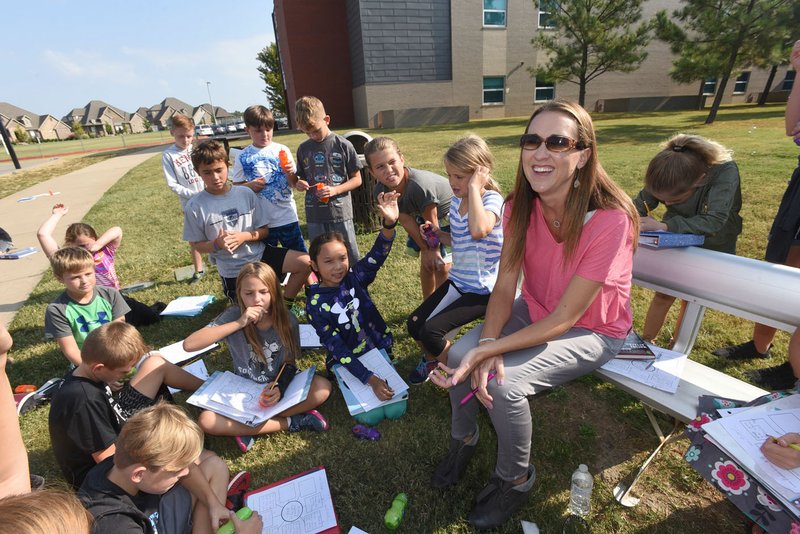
[783,451]
[271,394]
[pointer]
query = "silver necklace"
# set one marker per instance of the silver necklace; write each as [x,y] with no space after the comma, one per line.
[556,224]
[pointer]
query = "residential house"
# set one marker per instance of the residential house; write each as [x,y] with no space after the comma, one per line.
[98,118]
[161,113]
[42,127]
[411,62]
[136,123]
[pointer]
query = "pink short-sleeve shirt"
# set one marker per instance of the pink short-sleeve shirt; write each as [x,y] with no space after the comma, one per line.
[604,254]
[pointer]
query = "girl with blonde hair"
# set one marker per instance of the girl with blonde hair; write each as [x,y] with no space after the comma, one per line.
[263,338]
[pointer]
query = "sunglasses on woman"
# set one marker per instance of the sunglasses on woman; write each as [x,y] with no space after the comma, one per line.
[554,143]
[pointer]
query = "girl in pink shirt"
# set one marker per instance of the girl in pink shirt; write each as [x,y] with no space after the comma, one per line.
[570,231]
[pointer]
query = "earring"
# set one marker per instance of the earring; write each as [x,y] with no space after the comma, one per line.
[576,183]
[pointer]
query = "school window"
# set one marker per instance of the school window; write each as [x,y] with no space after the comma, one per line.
[546,10]
[493,89]
[710,86]
[544,90]
[740,87]
[788,80]
[494,13]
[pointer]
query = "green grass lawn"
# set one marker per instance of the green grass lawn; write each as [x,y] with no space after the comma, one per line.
[108,142]
[587,421]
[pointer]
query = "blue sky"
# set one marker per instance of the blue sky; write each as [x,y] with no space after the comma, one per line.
[60,54]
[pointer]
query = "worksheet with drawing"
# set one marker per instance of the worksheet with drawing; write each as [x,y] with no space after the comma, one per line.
[301,504]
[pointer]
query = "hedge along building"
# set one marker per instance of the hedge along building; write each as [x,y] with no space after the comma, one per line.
[378,64]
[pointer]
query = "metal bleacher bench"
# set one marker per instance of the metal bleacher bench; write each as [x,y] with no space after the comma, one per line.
[756,290]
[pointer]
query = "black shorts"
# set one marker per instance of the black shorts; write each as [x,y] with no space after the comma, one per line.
[272,256]
[132,401]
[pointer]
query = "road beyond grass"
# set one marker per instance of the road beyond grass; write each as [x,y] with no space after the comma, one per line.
[587,421]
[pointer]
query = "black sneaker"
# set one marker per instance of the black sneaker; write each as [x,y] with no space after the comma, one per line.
[196,277]
[499,500]
[158,307]
[34,399]
[311,420]
[773,378]
[743,351]
[451,468]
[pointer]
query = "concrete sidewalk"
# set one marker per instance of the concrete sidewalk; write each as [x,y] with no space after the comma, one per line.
[79,190]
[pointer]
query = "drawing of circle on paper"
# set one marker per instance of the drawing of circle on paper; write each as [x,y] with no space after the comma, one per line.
[292,511]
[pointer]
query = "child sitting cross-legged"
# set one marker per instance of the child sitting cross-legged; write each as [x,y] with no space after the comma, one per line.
[264,341]
[339,306]
[85,418]
[161,480]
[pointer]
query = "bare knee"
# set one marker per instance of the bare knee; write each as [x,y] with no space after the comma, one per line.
[207,421]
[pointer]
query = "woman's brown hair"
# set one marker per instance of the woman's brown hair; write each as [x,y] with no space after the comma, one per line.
[595,190]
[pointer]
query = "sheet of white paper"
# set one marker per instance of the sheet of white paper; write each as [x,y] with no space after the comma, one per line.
[308,337]
[187,305]
[663,373]
[355,530]
[725,412]
[198,369]
[302,504]
[375,362]
[237,397]
[174,353]
[750,428]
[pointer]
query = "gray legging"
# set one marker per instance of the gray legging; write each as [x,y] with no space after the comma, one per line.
[527,372]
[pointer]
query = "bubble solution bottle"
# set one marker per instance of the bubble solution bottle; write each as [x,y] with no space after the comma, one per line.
[394,515]
[580,498]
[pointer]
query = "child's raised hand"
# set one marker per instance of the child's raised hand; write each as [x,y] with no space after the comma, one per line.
[794,59]
[60,209]
[387,205]
[252,314]
[479,178]
[269,397]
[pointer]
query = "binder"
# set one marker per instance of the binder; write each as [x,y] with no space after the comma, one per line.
[236,397]
[670,240]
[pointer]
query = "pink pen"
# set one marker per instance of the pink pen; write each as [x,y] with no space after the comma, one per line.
[472,393]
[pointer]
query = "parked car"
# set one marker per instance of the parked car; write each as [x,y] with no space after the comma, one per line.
[241,126]
[281,123]
[203,129]
[231,127]
[219,129]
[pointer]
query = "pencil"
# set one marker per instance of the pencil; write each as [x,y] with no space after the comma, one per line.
[277,377]
[646,207]
[472,393]
[794,446]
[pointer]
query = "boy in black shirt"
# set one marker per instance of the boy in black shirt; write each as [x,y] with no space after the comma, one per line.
[160,480]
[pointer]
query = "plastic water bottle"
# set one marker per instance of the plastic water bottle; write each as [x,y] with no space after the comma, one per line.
[580,498]
[284,158]
[244,514]
[394,515]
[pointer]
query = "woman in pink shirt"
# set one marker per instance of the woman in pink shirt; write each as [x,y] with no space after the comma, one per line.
[575,236]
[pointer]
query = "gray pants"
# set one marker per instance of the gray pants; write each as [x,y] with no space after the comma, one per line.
[346,228]
[527,372]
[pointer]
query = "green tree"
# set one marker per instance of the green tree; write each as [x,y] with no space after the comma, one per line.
[21,134]
[719,36]
[270,71]
[147,124]
[590,38]
[77,129]
[109,129]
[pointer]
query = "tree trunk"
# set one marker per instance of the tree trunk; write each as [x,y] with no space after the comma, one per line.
[737,44]
[765,93]
[700,105]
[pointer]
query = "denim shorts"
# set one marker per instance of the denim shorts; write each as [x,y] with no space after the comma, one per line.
[288,236]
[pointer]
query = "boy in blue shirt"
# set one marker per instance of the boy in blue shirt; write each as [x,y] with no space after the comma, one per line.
[328,169]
